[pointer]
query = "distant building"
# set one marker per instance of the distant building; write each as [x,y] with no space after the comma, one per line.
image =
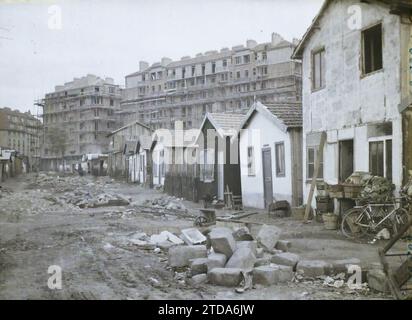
[21,132]
[228,80]
[81,113]
[123,142]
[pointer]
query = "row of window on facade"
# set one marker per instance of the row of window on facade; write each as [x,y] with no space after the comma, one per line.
[380,159]
[243,74]
[244,59]
[372,59]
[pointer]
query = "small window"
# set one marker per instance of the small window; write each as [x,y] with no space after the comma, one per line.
[380,158]
[372,49]
[250,161]
[246,59]
[318,70]
[311,158]
[224,63]
[280,159]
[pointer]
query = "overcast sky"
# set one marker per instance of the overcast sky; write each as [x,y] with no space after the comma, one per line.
[109,38]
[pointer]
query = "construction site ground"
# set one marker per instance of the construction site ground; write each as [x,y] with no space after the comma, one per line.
[39,228]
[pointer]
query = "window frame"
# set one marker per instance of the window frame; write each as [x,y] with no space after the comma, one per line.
[251,171]
[280,171]
[363,71]
[322,69]
[384,140]
[322,163]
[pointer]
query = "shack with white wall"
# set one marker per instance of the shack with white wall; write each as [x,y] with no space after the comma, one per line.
[352,84]
[270,155]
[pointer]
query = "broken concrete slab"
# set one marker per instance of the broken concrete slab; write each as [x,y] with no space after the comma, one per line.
[342,265]
[286,259]
[165,246]
[216,260]
[198,266]
[313,268]
[264,275]
[272,274]
[283,273]
[283,245]
[193,236]
[262,262]
[198,279]
[268,236]
[157,238]
[378,281]
[180,256]
[172,238]
[228,277]
[242,234]
[252,245]
[243,258]
[222,241]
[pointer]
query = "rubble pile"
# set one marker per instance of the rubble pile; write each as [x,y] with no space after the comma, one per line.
[78,191]
[235,258]
[164,205]
[377,189]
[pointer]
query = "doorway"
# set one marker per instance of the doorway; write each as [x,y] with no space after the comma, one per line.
[346,159]
[267,176]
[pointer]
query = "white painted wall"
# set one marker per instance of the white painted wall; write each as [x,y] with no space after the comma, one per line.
[158,180]
[349,101]
[262,132]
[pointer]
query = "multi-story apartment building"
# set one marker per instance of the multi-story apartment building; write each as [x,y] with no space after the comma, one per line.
[20,132]
[77,118]
[225,81]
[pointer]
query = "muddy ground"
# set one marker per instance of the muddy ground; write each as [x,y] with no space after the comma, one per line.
[39,228]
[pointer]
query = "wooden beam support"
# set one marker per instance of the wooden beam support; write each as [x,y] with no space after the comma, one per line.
[319,154]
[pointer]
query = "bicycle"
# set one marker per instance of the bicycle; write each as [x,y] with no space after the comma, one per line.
[374,217]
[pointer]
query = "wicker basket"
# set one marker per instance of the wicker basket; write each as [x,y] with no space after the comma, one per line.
[330,221]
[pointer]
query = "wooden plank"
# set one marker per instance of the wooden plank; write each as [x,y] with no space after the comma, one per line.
[315,176]
[403,274]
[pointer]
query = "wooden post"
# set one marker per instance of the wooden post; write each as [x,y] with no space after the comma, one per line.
[315,176]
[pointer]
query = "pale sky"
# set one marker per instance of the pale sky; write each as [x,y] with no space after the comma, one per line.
[108,38]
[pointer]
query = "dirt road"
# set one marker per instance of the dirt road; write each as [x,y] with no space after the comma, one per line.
[39,227]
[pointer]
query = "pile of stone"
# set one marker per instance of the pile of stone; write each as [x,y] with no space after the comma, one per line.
[157,242]
[162,206]
[232,258]
[87,199]
[229,257]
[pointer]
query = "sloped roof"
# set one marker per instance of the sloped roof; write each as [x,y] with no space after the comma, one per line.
[285,115]
[226,121]
[396,7]
[289,114]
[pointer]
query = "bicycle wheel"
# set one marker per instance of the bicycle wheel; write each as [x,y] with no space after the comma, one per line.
[400,218]
[353,223]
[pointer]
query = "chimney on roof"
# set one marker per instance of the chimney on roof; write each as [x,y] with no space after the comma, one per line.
[143,65]
[276,38]
[251,44]
[165,61]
